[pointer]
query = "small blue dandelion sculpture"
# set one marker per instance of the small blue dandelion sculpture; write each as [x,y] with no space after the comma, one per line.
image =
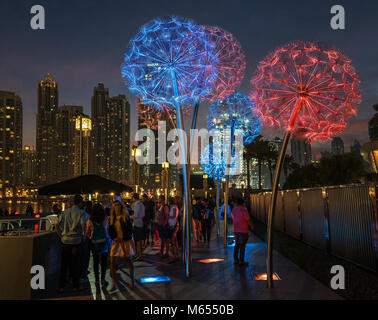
[236,112]
[214,158]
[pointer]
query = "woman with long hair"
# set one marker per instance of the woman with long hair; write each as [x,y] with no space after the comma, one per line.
[120,231]
[97,226]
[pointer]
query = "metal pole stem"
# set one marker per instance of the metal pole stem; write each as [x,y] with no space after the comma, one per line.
[218,190]
[183,147]
[189,215]
[273,199]
[228,166]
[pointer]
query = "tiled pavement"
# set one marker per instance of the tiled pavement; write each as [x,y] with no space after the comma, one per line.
[219,280]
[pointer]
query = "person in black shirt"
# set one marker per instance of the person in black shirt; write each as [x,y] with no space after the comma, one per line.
[207,221]
[196,214]
[148,215]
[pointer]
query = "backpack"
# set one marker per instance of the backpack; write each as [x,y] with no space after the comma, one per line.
[99,231]
[99,241]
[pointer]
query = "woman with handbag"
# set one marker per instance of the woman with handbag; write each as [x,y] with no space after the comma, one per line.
[97,226]
[120,231]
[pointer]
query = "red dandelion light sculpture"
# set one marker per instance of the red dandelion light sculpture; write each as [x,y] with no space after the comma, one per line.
[307,89]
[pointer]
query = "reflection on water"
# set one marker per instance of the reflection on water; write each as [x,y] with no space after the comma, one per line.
[18,206]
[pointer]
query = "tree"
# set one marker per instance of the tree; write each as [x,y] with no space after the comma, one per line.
[373,125]
[248,154]
[303,177]
[289,165]
[341,169]
[271,157]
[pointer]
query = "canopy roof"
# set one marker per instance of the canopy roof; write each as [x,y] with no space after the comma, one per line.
[84,185]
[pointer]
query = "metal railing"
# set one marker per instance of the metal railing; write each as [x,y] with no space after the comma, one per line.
[341,220]
[25,226]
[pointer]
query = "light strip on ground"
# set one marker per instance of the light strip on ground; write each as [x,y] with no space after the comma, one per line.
[210,260]
[155,279]
[263,276]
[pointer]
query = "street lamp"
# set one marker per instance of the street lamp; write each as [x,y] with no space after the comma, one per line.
[165,180]
[83,124]
[242,186]
[205,177]
[135,153]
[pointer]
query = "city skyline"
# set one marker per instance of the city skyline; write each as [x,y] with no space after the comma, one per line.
[78,71]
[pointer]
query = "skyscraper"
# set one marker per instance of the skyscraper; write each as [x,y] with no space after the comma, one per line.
[29,166]
[276,144]
[118,138]
[301,151]
[46,141]
[337,146]
[99,103]
[150,172]
[10,142]
[110,134]
[65,126]
[82,145]
[356,148]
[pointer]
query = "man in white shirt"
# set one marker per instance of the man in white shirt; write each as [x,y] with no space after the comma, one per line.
[71,230]
[138,231]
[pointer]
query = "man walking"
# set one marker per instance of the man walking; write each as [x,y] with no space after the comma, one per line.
[139,232]
[241,221]
[71,230]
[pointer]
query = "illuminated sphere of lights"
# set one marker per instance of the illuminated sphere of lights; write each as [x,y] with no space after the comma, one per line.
[237,111]
[214,159]
[228,61]
[166,63]
[322,80]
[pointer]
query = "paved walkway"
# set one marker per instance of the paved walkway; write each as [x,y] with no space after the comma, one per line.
[219,280]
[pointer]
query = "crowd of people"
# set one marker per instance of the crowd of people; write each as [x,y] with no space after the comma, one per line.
[125,230]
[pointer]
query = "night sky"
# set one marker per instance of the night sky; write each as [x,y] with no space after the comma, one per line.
[84,41]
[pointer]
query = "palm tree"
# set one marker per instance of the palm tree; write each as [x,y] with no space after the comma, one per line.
[248,155]
[271,156]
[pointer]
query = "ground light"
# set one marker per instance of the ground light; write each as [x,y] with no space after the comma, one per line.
[264,277]
[210,260]
[155,279]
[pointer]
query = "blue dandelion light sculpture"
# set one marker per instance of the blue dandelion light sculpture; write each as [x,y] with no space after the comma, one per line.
[236,112]
[166,63]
